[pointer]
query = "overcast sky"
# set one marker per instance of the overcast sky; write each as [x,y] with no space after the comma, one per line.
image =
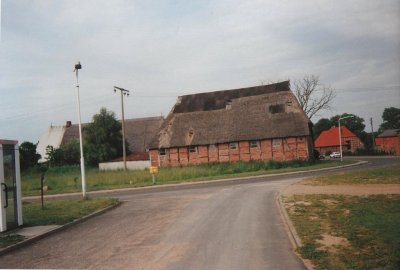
[162,49]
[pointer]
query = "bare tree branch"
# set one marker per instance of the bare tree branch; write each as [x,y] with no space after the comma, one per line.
[312,96]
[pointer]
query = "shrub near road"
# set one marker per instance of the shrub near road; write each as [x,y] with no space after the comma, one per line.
[349,232]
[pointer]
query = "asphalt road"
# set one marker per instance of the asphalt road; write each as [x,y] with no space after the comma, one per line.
[232,225]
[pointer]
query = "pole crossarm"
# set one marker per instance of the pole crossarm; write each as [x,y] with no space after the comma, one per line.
[124,92]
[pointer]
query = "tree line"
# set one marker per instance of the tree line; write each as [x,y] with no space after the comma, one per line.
[390,117]
[102,141]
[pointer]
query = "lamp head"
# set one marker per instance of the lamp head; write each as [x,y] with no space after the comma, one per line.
[78,66]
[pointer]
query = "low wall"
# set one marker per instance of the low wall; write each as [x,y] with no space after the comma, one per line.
[119,165]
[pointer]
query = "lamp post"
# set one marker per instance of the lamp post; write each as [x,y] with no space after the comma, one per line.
[78,67]
[340,135]
[124,92]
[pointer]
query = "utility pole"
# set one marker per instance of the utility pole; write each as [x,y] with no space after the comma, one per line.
[78,67]
[124,92]
[372,133]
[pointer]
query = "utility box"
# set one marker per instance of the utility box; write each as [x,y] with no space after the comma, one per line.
[10,186]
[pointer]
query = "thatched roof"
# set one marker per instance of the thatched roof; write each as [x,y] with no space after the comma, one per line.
[261,112]
[139,132]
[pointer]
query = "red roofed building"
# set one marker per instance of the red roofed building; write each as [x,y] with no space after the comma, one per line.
[389,141]
[328,140]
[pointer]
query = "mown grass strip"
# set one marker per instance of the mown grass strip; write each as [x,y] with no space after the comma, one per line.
[57,212]
[348,232]
[62,211]
[384,175]
[10,239]
[67,179]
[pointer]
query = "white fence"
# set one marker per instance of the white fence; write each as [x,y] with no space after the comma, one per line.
[119,165]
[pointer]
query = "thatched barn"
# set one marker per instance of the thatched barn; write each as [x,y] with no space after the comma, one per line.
[256,123]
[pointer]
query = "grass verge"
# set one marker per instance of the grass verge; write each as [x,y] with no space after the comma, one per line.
[67,179]
[55,212]
[62,211]
[10,239]
[348,232]
[385,175]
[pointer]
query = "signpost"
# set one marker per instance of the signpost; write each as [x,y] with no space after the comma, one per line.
[153,170]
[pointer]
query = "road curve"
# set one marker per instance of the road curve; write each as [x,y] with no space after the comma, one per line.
[232,226]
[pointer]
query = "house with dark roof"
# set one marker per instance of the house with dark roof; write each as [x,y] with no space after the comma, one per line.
[138,133]
[389,141]
[328,140]
[255,123]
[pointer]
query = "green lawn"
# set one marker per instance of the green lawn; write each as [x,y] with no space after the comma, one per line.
[67,179]
[55,212]
[62,211]
[385,175]
[348,232]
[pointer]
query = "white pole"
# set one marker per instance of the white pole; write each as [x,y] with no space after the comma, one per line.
[340,135]
[340,142]
[123,131]
[80,139]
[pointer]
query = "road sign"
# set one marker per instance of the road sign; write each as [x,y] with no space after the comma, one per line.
[153,169]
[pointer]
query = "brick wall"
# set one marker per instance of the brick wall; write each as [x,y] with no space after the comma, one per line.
[390,145]
[268,149]
[348,144]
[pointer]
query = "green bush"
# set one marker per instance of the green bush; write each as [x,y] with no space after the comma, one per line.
[366,152]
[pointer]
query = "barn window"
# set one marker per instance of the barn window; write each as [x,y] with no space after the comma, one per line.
[278,108]
[212,148]
[192,149]
[233,145]
[276,142]
[162,152]
[228,103]
[253,144]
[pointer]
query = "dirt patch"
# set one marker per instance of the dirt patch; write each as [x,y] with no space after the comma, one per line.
[304,203]
[332,243]
[356,190]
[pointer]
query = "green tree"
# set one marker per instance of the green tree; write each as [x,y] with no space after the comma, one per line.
[55,156]
[67,154]
[71,152]
[321,125]
[103,138]
[28,156]
[391,119]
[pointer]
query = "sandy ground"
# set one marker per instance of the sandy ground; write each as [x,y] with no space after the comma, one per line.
[356,190]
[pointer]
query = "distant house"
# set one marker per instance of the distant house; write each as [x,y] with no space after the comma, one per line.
[328,140]
[256,123]
[389,141]
[138,133]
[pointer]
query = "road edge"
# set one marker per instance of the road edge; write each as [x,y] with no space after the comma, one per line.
[55,230]
[291,231]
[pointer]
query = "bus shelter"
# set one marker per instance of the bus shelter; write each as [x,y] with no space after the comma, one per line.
[10,186]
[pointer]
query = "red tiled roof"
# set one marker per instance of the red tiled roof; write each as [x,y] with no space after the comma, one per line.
[330,137]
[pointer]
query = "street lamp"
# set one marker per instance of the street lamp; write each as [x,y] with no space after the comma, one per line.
[124,92]
[340,135]
[78,67]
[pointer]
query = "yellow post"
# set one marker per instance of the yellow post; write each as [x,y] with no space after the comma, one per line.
[153,170]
